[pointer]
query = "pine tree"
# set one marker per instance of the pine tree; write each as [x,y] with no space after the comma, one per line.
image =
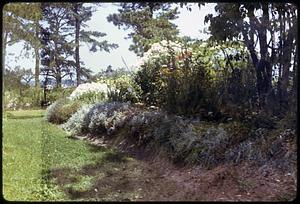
[21,23]
[80,15]
[150,22]
[57,49]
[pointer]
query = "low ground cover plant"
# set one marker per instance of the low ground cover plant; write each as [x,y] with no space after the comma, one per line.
[206,144]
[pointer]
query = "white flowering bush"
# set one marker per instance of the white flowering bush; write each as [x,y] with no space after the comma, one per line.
[13,101]
[90,92]
[122,88]
[76,124]
[162,49]
[106,118]
[99,118]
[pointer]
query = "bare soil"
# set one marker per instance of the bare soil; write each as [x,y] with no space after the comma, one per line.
[129,175]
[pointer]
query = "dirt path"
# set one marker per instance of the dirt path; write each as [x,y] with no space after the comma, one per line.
[119,177]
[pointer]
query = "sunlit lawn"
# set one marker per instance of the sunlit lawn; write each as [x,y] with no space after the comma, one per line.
[31,147]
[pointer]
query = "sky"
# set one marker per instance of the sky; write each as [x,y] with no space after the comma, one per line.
[190,23]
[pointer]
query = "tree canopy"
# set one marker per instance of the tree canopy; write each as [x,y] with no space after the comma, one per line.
[150,22]
[268,30]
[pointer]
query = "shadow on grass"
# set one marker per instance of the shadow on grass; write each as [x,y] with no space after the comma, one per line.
[106,179]
[96,148]
[114,157]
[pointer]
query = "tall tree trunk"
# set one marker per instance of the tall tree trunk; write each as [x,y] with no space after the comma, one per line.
[37,60]
[295,70]
[58,80]
[262,66]
[37,76]
[262,32]
[77,59]
[287,50]
[37,68]
[265,67]
[4,40]
[280,45]
[250,42]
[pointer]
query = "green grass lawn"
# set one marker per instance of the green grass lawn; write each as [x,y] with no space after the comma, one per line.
[24,114]
[32,148]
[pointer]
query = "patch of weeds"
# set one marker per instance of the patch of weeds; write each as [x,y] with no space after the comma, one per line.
[48,192]
[84,183]
[287,196]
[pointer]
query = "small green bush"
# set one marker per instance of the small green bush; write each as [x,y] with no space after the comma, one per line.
[61,110]
[52,112]
[68,109]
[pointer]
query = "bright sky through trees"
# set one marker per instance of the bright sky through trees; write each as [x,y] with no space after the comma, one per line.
[189,23]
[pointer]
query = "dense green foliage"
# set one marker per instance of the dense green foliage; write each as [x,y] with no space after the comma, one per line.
[211,77]
[122,87]
[19,23]
[253,22]
[26,97]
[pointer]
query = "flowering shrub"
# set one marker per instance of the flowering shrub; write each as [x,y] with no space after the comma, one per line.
[119,88]
[76,124]
[107,117]
[162,49]
[52,112]
[90,92]
[99,118]
[205,144]
[13,100]
[186,78]
[61,110]
[122,88]
[174,85]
